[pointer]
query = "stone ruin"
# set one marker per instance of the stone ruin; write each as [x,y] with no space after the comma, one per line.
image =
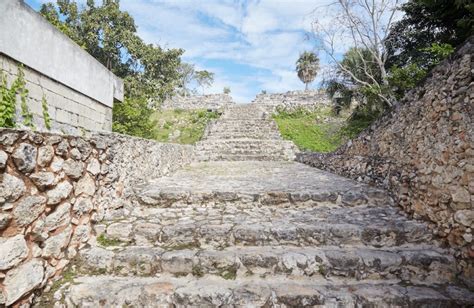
[192,102]
[292,100]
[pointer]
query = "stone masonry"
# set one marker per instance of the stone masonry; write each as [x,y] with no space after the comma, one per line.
[423,152]
[244,132]
[292,100]
[54,188]
[209,101]
[246,226]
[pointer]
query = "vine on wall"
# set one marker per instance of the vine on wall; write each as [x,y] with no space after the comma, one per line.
[46,117]
[8,101]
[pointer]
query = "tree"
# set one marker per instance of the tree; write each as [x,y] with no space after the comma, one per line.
[423,37]
[204,79]
[226,90]
[363,25]
[428,22]
[132,117]
[187,75]
[307,67]
[109,34]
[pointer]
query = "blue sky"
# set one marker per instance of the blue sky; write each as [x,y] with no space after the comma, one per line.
[250,45]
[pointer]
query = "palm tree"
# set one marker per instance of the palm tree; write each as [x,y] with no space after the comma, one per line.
[307,67]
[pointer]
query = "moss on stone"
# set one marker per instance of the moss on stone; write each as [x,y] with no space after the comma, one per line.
[104,241]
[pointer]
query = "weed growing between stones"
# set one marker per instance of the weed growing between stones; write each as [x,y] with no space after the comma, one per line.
[182,246]
[197,271]
[229,273]
[106,242]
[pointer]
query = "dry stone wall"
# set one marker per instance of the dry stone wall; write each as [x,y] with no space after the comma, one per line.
[423,151]
[210,101]
[54,187]
[292,100]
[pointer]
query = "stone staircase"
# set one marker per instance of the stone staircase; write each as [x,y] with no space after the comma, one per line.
[261,233]
[244,132]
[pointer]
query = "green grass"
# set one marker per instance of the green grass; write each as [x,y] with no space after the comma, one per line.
[319,130]
[106,242]
[190,124]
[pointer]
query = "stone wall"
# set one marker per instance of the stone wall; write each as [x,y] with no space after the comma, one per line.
[292,100]
[79,90]
[423,151]
[53,187]
[209,101]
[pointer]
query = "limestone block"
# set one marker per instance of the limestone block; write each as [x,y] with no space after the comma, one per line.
[60,217]
[54,245]
[11,188]
[82,206]
[24,157]
[59,193]
[28,209]
[73,169]
[93,167]
[23,279]
[3,160]
[43,180]
[13,250]
[57,164]
[465,217]
[86,186]
[4,220]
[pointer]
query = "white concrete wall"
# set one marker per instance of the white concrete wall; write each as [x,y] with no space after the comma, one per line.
[70,111]
[30,39]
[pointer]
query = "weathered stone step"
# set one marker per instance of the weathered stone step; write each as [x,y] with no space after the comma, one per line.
[238,157]
[258,183]
[228,226]
[168,194]
[258,134]
[422,265]
[166,291]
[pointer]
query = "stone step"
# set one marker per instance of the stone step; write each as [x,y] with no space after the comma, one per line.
[421,265]
[244,143]
[218,228]
[167,291]
[246,134]
[204,157]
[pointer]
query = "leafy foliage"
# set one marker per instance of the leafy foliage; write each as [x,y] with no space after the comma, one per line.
[109,34]
[226,90]
[428,22]
[132,117]
[7,102]
[46,117]
[307,67]
[23,92]
[8,98]
[204,78]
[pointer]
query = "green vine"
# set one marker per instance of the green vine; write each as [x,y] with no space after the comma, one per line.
[23,91]
[46,117]
[8,101]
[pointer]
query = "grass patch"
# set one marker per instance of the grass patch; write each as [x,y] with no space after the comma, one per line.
[315,131]
[320,130]
[182,126]
[106,242]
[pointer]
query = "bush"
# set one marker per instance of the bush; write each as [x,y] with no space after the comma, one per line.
[132,117]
